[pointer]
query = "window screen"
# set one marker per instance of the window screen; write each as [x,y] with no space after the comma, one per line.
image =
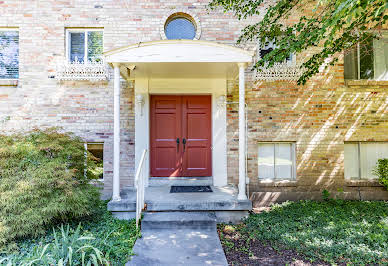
[180,28]
[9,54]
[276,161]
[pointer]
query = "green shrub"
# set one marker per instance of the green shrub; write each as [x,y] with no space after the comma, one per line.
[335,231]
[100,234]
[381,171]
[42,182]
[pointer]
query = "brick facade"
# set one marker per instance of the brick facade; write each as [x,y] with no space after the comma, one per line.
[318,117]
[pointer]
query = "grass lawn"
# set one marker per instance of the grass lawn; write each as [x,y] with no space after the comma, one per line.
[329,232]
[113,237]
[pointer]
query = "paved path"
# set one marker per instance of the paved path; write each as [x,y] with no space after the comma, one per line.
[183,245]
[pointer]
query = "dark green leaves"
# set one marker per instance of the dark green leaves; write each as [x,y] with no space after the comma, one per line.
[333,26]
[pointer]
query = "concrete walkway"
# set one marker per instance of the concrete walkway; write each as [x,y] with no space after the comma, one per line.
[179,238]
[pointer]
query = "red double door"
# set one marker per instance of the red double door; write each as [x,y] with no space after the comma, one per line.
[180,136]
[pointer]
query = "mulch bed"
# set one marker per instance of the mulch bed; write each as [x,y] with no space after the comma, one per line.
[259,253]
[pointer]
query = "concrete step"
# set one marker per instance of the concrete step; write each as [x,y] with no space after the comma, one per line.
[180,181]
[178,220]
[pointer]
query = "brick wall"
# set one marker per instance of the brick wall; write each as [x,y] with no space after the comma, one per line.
[83,107]
[318,117]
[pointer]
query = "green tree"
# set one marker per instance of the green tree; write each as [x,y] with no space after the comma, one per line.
[332,27]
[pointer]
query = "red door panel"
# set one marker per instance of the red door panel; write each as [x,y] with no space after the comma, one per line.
[182,117]
[165,129]
[196,129]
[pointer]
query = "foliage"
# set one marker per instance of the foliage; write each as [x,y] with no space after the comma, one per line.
[102,238]
[333,25]
[325,195]
[382,172]
[335,231]
[42,182]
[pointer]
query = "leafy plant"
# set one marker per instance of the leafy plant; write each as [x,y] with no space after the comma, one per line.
[325,195]
[99,236]
[43,182]
[335,231]
[69,249]
[324,28]
[381,171]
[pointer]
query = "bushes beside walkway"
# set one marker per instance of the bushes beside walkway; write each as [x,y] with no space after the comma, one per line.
[101,239]
[332,231]
[43,181]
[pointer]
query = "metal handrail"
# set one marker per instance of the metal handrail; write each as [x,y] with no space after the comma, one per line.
[140,182]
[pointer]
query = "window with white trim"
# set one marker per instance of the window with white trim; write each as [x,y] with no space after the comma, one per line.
[84,45]
[9,54]
[97,150]
[270,46]
[276,161]
[368,60]
[360,158]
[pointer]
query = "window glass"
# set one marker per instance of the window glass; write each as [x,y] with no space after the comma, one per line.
[276,161]
[97,150]
[381,59]
[351,160]
[77,46]
[283,161]
[86,45]
[180,28]
[9,54]
[269,46]
[266,161]
[363,156]
[95,46]
[366,60]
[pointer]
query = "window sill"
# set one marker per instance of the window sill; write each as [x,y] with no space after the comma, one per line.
[362,183]
[278,183]
[366,82]
[9,82]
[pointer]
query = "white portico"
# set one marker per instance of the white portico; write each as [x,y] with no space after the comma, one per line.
[180,67]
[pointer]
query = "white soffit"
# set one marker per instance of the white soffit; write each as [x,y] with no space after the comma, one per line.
[178,51]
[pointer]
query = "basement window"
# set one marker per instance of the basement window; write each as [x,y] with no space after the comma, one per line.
[276,161]
[360,159]
[84,45]
[97,150]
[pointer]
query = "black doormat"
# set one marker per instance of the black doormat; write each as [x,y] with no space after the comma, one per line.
[188,189]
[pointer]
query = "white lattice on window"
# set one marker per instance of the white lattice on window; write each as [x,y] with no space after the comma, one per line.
[280,71]
[82,71]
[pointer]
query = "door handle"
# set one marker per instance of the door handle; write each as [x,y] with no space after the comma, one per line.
[177,144]
[184,144]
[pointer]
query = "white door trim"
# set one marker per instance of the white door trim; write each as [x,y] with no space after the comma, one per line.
[215,87]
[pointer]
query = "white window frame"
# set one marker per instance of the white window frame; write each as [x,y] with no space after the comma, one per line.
[384,35]
[293,159]
[359,160]
[13,29]
[273,46]
[81,30]
[86,156]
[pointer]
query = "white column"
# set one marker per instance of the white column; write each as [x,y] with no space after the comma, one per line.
[241,133]
[116,134]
